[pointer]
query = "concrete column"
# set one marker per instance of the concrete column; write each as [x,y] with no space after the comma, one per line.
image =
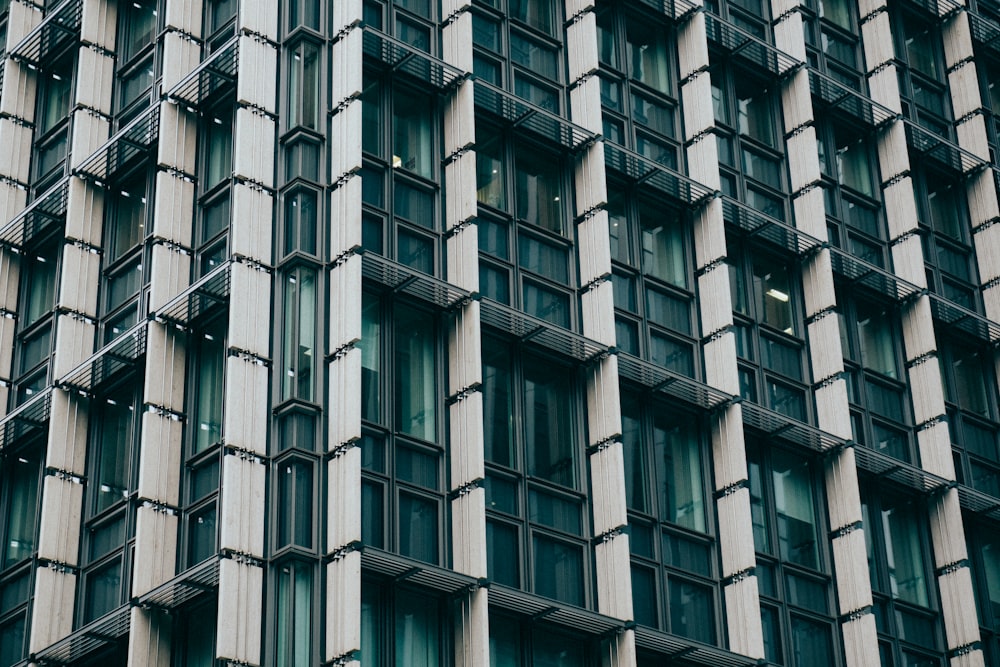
[343,502]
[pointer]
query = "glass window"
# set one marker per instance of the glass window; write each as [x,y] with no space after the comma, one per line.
[412,136]
[304,86]
[551,449]
[218,147]
[209,373]
[294,615]
[401,627]
[416,393]
[115,423]
[299,334]
[538,182]
[303,12]
[22,473]
[646,49]
[301,223]
[295,491]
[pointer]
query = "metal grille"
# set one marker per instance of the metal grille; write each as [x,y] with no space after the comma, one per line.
[106,630]
[660,380]
[416,572]
[216,72]
[692,652]
[39,216]
[399,278]
[776,425]
[835,95]
[119,151]
[29,418]
[58,29]
[664,180]
[552,611]
[940,149]
[520,113]
[741,44]
[887,467]
[205,295]
[755,224]
[183,588]
[857,272]
[397,56]
[965,320]
[545,334]
[115,357]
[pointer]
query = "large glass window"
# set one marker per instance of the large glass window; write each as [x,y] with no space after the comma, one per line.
[525,255]
[413,22]
[653,285]
[135,69]
[304,66]
[902,584]
[39,266]
[871,339]
[299,334]
[402,455]
[769,332]
[52,120]
[833,46]
[401,626]
[923,83]
[792,561]
[294,614]
[984,554]
[211,230]
[674,571]
[536,528]
[517,643]
[638,84]
[126,261]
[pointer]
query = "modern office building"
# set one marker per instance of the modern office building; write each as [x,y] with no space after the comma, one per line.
[514,332]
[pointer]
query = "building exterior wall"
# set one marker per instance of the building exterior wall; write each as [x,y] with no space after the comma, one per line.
[519,332]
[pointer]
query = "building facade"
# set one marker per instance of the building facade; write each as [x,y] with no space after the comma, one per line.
[514,332]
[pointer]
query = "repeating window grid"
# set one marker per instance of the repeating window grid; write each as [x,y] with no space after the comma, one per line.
[520,49]
[413,22]
[748,128]
[971,401]
[833,45]
[920,66]
[401,141]
[110,514]
[53,119]
[871,340]
[639,84]
[750,15]
[403,481]
[524,642]
[213,217]
[903,589]
[21,472]
[39,278]
[536,525]
[767,321]
[652,281]
[138,58]
[305,94]
[850,177]
[792,558]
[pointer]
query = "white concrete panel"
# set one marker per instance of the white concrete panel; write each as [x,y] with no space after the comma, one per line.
[974,658]
[465,363]
[876,37]
[581,46]
[710,231]
[253,147]
[67,444]
[52,611]
[155,559]
[246,408]
[925,387]
[597,305]
[803,160]
[180,57]
[460,182]
[261,59]
[15,143]
[74,343]
[817,278]
[607,486]
[918,329]
[252,226]
[614,578]
[178,145]
[241,595]
[343,511]
[463,258]
[249,308]
[717,311]
[98,23]
[259,17]
[184,15]
[170,270]
[344,409]
[22,18]
[947,530]
[893,158]
[471,627]
[173,208]
[8,332]
[832,409]
[20,84]
[345,217]
[59,526]
[95,80]
[796,102]
[10,276]
[692,51]
[150,638]
[160,458]
[850,562]
[346,56]
[242,511]
[908,260]
[460,126]
[964,85]
[735,532]
[345,303]
[720,363]
[85,212]
[861,642]
[743,613]
[982,196]
[589,179]
[594,246]
[728,452]
[972,136]
[456,39]
[604,417]
[12,201]
[841,481]
[883,86]
[991,300]
[468,533]
[703,161]
[696,95]
[810,213]
[961,622]
[466,431]
[957,39]
[343,593]
[824,347]
[79,279]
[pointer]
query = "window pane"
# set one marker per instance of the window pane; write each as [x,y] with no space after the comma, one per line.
[811,642]
[679,471]
[548,430]
[536,13]
[854,166]
[371,328]
[294,616]
[505,643]
[412,134]
[558,570]
[644,596]
[41,279]
[758,511]
[502,553]
[490,173]
[497,405]
[539,190]
[636,484]
[300,222]
[647,55]
[372,515]
[103,590]
[663,246]
[555,512]
[754,109]
[970,380]
[219,150]
[22,481]
[692,612]
[415,386]
[543,258]
[795,509]
[548,304]
[418,527]
[299,334]
[551,650]
[418,631]
[209,371]
[12,640]
[199,636]
[772,290]
[295,493]
[904,554]
[113,453]
[201,535]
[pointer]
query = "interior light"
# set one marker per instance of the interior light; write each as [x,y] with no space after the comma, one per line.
[776,294]
[397,162]
[555,199]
